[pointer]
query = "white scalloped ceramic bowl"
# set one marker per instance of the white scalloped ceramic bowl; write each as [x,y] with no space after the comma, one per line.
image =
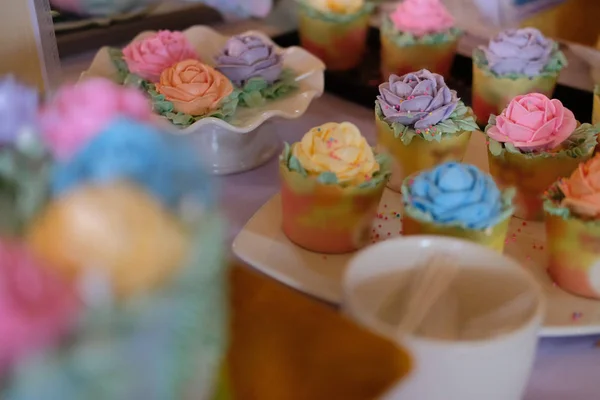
[248,140]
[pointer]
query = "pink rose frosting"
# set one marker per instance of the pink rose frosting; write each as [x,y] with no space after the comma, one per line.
[422,17]
[533,122]
[79,112]
[36,307]
[149,57]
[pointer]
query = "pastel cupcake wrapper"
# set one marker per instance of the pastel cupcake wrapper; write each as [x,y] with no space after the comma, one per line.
[573,247]
[341,46]
[531,176]
[492,94]
[401,60]
[493,237]
[327,218]
[419,154]
[574,255]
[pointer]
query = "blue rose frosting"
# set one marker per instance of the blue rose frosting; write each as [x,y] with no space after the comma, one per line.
[165,165]
[456,194]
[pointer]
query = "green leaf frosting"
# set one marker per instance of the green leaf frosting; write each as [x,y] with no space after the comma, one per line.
[164,107]
[24,175]
[459,121]
[330,178]
[257,91]
[312,12]
[556,63]
[579,144]
[405,39]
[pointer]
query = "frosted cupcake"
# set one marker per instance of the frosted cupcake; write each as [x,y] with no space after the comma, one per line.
[331,185]
[108,226]
[418,34]
[534,142]
[421,123]
[457,200]
[514,63]
[335,30]
[572,207]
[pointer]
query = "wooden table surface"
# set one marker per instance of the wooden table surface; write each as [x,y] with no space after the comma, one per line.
[287,346]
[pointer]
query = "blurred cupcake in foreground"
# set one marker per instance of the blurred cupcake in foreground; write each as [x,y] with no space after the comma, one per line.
[514,63]
[534,142]
[421,123]
[572,207]
[418,34]
[457,200]
[332,183]
[335,30]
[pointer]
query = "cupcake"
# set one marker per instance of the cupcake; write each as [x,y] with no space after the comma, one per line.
[335,30]
[534,142]
[514,63]
[331,185]
[420,123]
[110,251]
[418,34]
[572,210]
[457,200]
[256,69]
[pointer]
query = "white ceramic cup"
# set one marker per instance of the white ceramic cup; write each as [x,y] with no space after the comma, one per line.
[495,366]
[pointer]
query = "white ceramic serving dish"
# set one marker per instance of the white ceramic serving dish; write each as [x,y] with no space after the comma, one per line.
[262,244]
[247,141]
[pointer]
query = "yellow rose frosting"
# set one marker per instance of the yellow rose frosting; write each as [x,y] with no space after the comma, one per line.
[337,148]
[337,6]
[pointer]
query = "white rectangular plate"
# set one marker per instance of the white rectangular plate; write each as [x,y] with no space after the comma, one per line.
[263,245]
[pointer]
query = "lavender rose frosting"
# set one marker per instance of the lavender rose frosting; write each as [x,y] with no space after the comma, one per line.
[18,109]
[245,57]
[419,100]
[519,51]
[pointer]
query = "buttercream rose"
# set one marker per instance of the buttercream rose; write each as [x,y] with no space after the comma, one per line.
[339,149]
[454,193]
[422,17]
[140,153]
[18,109]
[149,57]
[193,87]
[418,100]
[519,51]
[79,112]
[533,122]
[582,189]
[36,307]
[245,57]
[337,6]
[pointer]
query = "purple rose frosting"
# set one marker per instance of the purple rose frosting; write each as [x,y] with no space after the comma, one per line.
[519,51]
[246,57]
[18,109]
[419,100]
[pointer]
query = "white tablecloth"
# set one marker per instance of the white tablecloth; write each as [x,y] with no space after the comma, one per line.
[565,369]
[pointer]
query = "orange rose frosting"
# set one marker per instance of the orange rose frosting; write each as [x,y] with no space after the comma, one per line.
[193,87]
[582,189]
